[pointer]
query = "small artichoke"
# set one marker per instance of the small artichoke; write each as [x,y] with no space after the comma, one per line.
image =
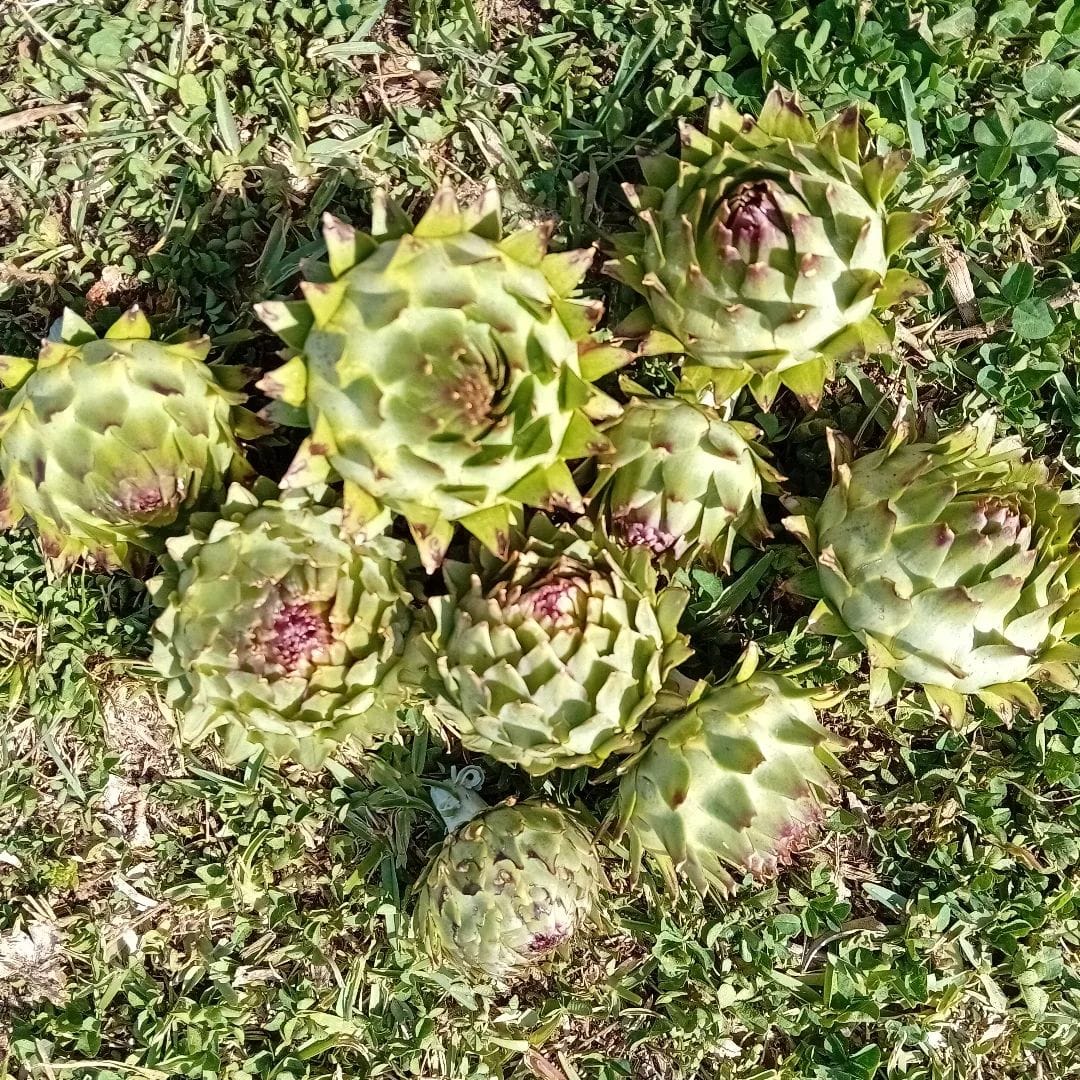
[682,483]
[765,250]
[953,562]
[445,371]
[551,659]
[279,632]
[508,890]
[730,785]
[107,445]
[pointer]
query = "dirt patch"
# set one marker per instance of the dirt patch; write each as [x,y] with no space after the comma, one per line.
[112,288]
[139,729]
[140,732]
[581,1037]
[506,19]
[123,808]
[32,964]
[400,80]
[11,210]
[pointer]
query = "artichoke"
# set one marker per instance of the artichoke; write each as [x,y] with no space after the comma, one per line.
[279,632]
[507,890]
[681,482]
[730,785]
[107,445]
[551,659]
[765,250]
[953,562]
[445,371]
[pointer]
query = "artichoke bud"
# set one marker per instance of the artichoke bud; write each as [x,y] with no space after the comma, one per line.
[551,659]
[280,633]
[508,890]
[682,483]
[764,252]
[954,562]
[732,784]
[446,370]
[109,445]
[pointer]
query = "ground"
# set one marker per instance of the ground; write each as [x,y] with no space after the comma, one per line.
[162,914]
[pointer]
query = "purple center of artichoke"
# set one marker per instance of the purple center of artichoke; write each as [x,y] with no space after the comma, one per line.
[792,839]
[642,534]
[554,599]
[297,631]
[999,519]
[751,216]
[458,395]
[469,399]
[543,943]
[145,501]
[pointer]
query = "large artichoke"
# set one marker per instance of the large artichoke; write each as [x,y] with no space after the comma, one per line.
[507,890]
[551,659]
[765,250]
[445,372]
[681,482]
[730,785]
[106,445]
[954,562]
[279,632]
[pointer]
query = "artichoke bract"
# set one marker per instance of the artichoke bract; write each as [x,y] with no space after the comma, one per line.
[279,632]
[733,784]
[683,483]
[953,562]
[764,251]
[445,371]
[107,444]
[508,890]
[551,659]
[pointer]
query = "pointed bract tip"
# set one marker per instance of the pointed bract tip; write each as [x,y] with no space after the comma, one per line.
[132,325]
[337,227]
[850,116]
[781,98]
[273,314]
[269,386]
[593,310]
[445,196]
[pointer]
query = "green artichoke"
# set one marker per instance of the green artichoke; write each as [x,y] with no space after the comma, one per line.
[508,890]
[765,250]
[954,562]
[445,372]
[732,784]
[279,632]
[681,482]
[107,445]
[551,659]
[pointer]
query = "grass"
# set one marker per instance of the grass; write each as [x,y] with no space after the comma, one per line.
[196,921]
